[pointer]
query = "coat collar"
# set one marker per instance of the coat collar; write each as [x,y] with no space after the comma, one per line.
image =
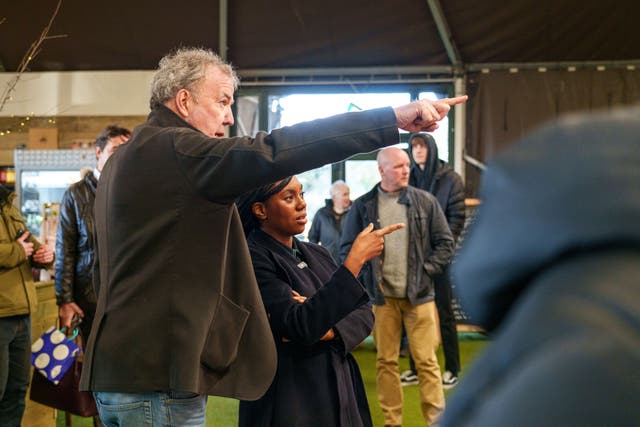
[269,242]
[162,116]
[373,195]
[91,181]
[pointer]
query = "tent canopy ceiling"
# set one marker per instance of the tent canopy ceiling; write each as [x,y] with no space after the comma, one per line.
[280,34]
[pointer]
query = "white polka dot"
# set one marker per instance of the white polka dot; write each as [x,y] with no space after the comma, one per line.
[43,372]
[37,346]
[42,361]
[61,352]
[57,337]
[50,329]
[56,371]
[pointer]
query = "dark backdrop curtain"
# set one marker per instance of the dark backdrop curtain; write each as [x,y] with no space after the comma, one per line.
[505,106]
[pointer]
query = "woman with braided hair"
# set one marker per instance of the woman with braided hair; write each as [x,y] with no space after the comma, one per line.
[318,313]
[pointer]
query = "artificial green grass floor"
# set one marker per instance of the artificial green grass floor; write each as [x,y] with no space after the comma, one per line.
[223,412]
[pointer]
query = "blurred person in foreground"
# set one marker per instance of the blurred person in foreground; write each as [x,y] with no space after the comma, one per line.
[326,227]
[551,268]
[179,313]
[19,251]
[318,312]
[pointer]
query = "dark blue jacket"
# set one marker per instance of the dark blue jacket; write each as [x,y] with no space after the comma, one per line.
[318,383]
[326,230]
[430,242]
[552,268]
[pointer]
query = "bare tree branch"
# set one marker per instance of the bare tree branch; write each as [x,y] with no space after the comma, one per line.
[33,51]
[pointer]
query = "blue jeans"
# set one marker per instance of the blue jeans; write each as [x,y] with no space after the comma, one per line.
[151,409]
[15,365]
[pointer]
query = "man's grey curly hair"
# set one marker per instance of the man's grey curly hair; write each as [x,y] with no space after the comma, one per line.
[184,69]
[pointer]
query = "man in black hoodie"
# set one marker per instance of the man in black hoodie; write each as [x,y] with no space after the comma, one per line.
[431,174]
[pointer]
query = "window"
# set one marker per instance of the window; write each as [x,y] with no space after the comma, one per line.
[286,109]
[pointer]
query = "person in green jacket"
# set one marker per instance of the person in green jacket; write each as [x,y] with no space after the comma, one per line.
[19,251]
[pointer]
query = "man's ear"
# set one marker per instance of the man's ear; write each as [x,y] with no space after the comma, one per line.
[183,101]
[98,152]
[259,210]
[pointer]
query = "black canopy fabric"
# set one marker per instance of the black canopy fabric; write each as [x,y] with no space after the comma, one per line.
[126,35]
[490,37]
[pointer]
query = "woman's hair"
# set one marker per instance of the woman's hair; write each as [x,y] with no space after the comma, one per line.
[262,194]
[185,69]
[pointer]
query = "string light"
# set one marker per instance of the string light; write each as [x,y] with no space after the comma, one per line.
[25,123]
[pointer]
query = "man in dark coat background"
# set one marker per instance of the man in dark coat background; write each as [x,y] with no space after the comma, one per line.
[75,238]
[179,314]
[326,227]
[551,268]
[435,176]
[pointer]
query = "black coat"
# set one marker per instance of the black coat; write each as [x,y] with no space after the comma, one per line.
[318,383]
[551,268]
[439,179]
[75,240]
[178,304]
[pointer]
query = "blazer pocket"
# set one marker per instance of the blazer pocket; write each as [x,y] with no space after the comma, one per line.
[225,332]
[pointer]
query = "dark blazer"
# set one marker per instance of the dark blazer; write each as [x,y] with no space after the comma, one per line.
[318,383]
[178,304]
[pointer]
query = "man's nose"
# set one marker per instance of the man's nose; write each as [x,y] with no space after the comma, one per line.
[228,118]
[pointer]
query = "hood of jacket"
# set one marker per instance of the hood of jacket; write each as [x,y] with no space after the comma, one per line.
[328,203]
[434,168]
[570,188]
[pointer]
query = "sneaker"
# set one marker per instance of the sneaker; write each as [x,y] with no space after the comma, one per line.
[408,378]
[449,380]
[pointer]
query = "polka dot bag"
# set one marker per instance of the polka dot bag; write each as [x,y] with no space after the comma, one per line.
[53,353]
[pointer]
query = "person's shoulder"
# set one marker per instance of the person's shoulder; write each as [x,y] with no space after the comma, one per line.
[260,253]
[262,246]
[421,196]
[418,192]
[323,212]
[72,191]
[368,196]
[445,170]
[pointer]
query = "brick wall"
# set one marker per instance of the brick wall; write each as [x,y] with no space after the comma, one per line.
[76,129]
